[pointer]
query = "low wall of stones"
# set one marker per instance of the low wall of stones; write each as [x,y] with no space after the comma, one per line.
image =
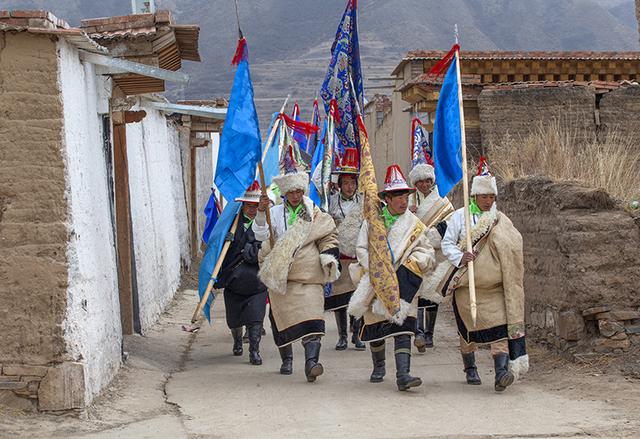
[582,265]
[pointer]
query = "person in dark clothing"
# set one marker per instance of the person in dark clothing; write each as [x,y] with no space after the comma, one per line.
[245,297]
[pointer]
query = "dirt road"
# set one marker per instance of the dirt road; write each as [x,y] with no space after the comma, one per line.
[181,385]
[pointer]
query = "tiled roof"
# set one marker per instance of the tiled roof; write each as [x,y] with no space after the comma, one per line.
[126,26]
[519,55]
[43,22]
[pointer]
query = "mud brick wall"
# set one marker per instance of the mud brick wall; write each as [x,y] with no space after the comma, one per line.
[582,265]
[620,112]
[33,211]
[514,113]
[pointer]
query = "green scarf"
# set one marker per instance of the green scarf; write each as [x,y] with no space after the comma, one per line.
[248,222]
[474,209]
[388,218]
[293,212]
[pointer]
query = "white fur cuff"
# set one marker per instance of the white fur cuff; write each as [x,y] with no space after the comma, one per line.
[330,267]
[358,303]
[519,367]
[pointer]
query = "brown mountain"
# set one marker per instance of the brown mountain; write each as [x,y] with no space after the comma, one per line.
[289,40]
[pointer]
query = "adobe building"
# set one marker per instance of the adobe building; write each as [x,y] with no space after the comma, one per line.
[102,182]
[506,93]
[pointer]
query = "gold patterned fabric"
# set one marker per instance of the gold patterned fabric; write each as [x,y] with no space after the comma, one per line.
[382,274]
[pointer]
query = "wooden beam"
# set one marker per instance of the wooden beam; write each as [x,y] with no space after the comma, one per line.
[123,225]
[118,65]
[194,203]
[134,116]
[198,142]
[205,127]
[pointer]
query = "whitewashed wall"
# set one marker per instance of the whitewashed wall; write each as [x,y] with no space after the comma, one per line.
[157,198]
[92,326]
[204,183]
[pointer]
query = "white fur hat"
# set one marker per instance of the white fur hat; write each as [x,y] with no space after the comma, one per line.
[292,181]
[484,185]
[421,171]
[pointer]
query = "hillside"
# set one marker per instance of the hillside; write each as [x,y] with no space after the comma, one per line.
[289,40]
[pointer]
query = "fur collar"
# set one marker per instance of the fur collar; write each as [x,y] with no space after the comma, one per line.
[427,202]
[482,227]
[274,271]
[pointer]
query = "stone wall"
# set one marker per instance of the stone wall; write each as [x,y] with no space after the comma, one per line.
[582,265]
[33,216]
[620,112]
[516,112]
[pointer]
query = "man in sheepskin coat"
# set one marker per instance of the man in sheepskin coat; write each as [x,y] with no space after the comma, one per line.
[433,210]
[499,273]
[305,256]
[345,207]
[412,257]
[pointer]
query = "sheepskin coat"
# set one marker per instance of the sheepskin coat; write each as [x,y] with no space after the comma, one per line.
[499,279]
[413,258]
[303,259]
[348,216]
[432,209]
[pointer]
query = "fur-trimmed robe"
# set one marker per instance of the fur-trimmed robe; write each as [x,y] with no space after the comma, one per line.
[413,258]
[348,217]
[432,210]
[302,260]
[499,278]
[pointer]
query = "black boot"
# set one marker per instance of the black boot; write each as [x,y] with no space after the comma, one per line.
[341,323]
[420,341]
[286,354]
[245,337]
[356,325]
[504,377]
[237,341]
[378,357]
[430,315]
[470,369]
[255,333]
[403,363]
[312,369]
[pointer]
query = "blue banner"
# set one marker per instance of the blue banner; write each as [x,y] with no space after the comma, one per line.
[447,139]
[344,67]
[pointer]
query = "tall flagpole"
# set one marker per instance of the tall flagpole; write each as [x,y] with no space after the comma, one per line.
[263,183]
[465,188]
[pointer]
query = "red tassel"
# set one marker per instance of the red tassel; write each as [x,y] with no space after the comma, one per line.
[354,3]
[483,162]
[299,127]
[441,66]
[296,111]
[241,52]
[334,110]
[361,126]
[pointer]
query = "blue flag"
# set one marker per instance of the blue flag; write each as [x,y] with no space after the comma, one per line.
[212,213]
[318,156]
[343,68]
[240,143]
[271,162]
[447,140]
[238,156]
[298,136]
[214,248]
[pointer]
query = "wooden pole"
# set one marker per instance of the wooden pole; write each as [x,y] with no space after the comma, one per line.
[465,188]
[216,270]
[263,184]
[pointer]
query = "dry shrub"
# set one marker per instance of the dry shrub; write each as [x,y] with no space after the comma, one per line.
[553,150]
